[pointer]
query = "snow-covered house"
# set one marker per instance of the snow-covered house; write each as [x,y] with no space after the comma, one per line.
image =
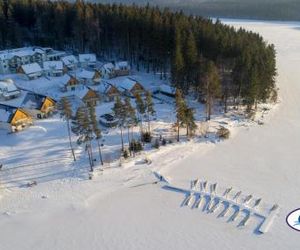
[107,92]
[4,63]
[8,90]
[122,68]
[30,71]
[54,55]
[108,71]
[11,60]
[70,62]
[87,60]
[13,119]
[87,96]
[38,106]
[53,68]
[70,83]
[87,77]
[127,86]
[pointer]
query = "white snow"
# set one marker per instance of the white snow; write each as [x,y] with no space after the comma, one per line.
[53,65]
[69,60]
[31,68]
[90,58]
[124,208]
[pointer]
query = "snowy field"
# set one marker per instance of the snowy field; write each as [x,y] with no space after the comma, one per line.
[127,208]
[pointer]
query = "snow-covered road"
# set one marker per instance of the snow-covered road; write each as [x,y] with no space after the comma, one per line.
[117,211]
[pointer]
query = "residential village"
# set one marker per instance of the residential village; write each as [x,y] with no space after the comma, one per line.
[34,79]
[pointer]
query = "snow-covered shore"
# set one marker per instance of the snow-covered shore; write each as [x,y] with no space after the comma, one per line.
[122,208]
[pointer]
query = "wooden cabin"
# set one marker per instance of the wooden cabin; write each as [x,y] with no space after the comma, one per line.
[30,71]
[14,119]
[38,106]
[122,68]
[88,77]
[90,97]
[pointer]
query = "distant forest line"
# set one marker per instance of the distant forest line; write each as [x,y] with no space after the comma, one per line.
[204,57]
[285,10]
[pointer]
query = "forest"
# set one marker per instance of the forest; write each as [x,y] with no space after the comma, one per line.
[199,55]
[288,10]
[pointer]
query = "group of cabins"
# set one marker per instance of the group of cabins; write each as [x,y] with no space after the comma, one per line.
[18,112]
[80,78]
[34,62]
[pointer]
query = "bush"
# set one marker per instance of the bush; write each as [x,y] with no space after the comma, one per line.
[156,144]
[125,154]
[170,141]
[135,146]
[146,137]
[223,133]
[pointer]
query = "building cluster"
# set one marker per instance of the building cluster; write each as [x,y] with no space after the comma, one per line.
[81,78]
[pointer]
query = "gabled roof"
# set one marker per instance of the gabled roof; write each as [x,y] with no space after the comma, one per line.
[31,68]
[84,74]
[108,66]
[87,58]
[33,101]
[8,85]
[69,60]
[123,83]
[53,65]
[6,113]
[122,64]
[20,52]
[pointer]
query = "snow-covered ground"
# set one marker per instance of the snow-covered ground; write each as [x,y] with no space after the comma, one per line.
[127,208]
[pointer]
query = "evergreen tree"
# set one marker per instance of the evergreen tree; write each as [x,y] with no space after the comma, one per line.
[149,108]
[178,61]
[211,85]
[65,109]
[131,119]
[120,114]
[96,130]
[141,109]
[180,107]
[81,126]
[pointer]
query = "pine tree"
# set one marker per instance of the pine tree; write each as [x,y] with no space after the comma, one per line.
[149,108]
[120,115]
[65,109]
[189,121]
[141,109]
[81,126]
[131,119]
[211,85]
[180,107]
[95,128]
[178,61]
[191,55]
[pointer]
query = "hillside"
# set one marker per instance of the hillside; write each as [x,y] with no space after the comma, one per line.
[265,9]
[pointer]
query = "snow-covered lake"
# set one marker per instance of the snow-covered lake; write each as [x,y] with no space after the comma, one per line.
[122,209]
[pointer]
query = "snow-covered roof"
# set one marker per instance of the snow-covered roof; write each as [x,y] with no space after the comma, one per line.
[31,68]
[33,101]
[90,58]
[7,86]
[108,66]
[53,65]
[20,52]
[122,64]
[80,93]
[69,60]
[84,74]
[6,112]
[122,83]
